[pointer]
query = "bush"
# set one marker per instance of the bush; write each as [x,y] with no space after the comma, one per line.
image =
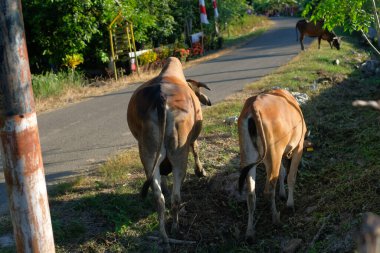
[182,54]
[196,49]
[163,53]
[147,57]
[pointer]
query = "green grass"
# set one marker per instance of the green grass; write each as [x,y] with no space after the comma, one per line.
[248,26]
[103,212]
[53,84]
[244,26]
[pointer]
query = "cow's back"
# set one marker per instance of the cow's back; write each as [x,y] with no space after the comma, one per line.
[309,28]
[281,116]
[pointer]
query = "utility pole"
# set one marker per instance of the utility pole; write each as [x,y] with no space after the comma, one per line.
[20,144]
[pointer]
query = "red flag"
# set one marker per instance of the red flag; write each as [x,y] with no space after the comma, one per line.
[202,8]
[216,13]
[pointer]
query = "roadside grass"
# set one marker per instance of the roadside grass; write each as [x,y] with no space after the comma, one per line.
[240,31]
[337,183]
[53,84]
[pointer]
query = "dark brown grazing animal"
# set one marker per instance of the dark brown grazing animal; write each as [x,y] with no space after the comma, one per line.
[271,128]
[165,116]
[312,29]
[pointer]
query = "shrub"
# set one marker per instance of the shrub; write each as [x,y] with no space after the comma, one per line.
[163,53]
[147,57]
[72,61]
[182,54]
[196,49]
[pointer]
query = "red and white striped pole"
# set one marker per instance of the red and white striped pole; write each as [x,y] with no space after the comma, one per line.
[20,145]
[204,20]
[215,6]
[216,15]
[202,9]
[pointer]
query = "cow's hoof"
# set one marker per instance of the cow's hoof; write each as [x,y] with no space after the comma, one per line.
[276,219]
[250,238]
[291,209]
[200,173]
[163,244]
[165,247]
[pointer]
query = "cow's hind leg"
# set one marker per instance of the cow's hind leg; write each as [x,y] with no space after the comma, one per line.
[147,159]
[282,182]
[251,203]
[179,172]
[301,41]
[296,159]
[272,166]
[249,155]
[198,169]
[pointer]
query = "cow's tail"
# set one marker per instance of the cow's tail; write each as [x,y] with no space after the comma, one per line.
[260,131]
[297,32]
[161,113]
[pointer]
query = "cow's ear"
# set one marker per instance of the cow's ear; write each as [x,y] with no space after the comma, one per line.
[204,99]
[198,84]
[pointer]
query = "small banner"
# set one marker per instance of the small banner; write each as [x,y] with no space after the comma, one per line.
[216,13]
[202,8]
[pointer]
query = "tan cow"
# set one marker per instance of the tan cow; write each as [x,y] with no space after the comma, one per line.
[165,116]
[271,127]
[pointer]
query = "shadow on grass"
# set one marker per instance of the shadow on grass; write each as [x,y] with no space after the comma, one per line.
[97,216]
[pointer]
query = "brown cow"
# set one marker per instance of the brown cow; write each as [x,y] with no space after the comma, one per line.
[165,116]
[271,127]
[312,29]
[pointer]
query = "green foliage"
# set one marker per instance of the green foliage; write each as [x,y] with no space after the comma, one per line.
[231,10]
[263,6]
[147,57]
[163,52]
[56,28]
[352,15]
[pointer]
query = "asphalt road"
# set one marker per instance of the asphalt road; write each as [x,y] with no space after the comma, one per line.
[82,135]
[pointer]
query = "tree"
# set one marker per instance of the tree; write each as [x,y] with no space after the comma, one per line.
[231,10]
[56,28]
[352,15]
[264,6]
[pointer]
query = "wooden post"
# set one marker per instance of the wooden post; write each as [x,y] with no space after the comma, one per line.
[20,145]
[134,48]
